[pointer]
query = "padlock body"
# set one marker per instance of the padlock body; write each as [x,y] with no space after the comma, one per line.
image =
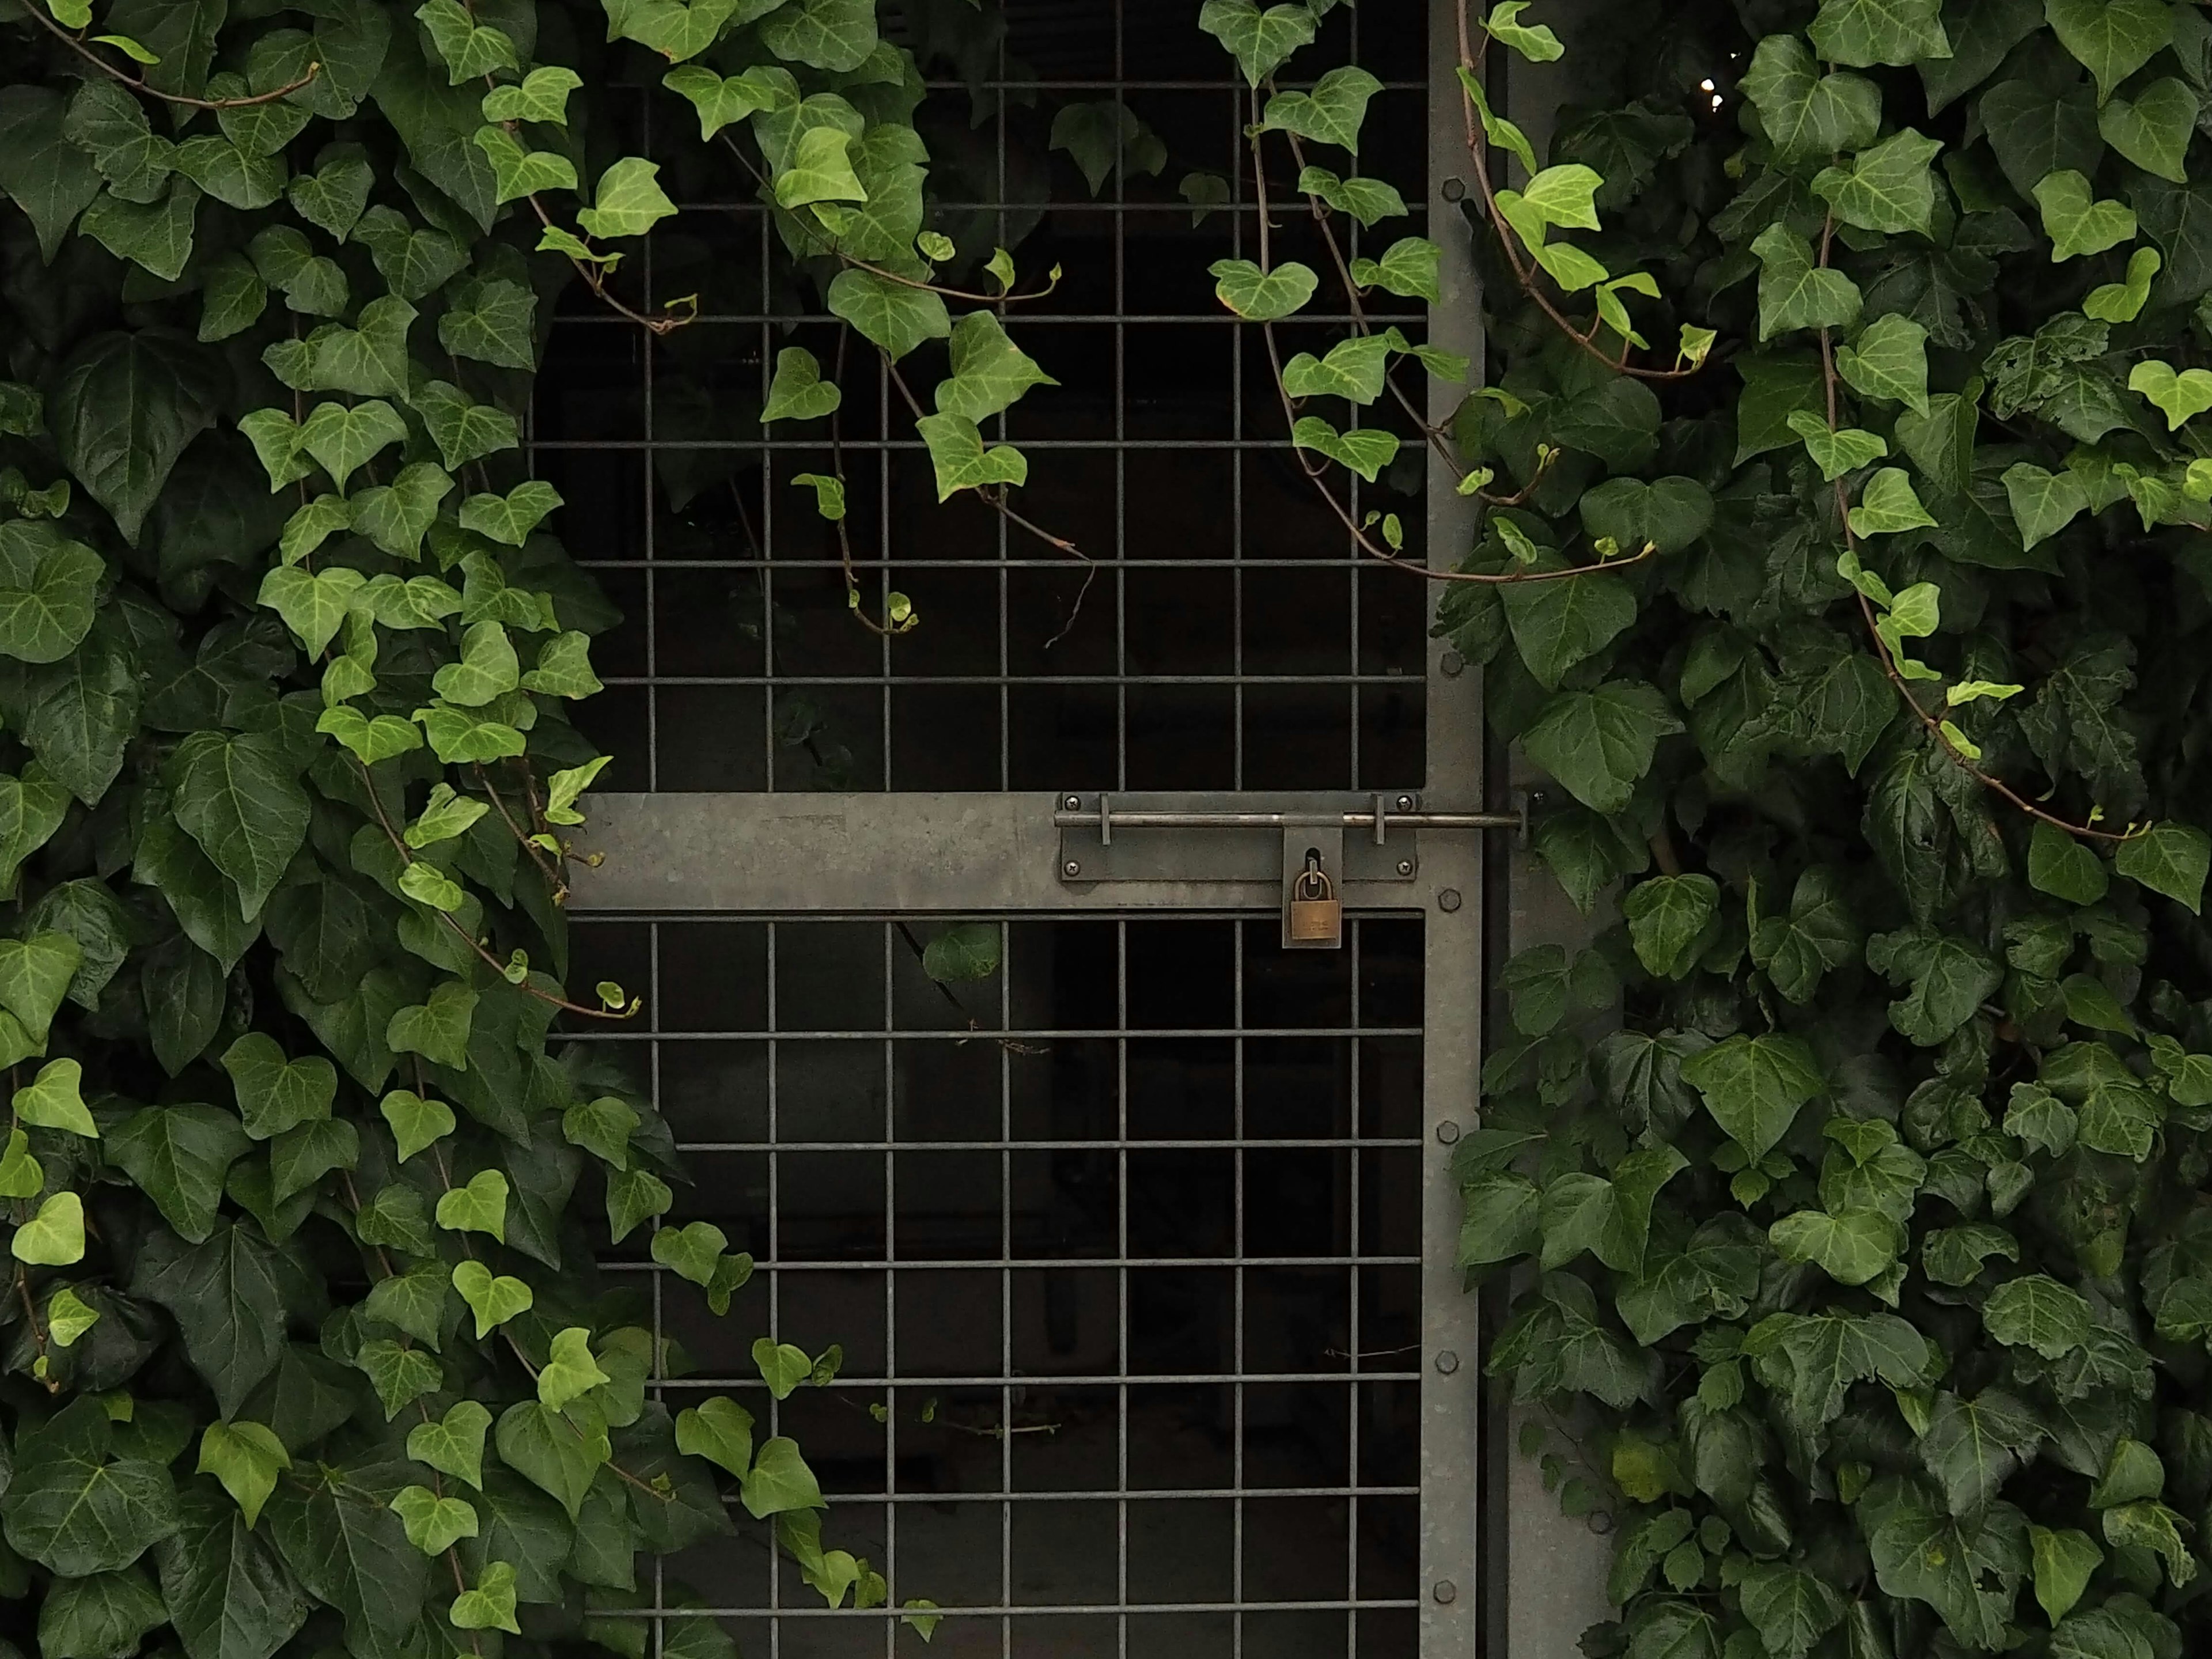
[1315,921]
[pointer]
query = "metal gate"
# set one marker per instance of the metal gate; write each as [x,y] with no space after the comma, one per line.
[1139,1248]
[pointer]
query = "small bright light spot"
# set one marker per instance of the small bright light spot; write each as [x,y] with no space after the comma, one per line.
[1717,100]
[1705,85]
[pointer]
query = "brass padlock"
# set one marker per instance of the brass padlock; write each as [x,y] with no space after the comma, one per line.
[1316,913]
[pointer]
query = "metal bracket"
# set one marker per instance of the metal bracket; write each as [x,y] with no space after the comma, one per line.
[1247,837]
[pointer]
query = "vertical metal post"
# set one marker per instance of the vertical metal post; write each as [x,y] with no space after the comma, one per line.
[1451,883]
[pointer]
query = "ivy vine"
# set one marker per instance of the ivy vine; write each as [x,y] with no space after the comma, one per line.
[1848,1191]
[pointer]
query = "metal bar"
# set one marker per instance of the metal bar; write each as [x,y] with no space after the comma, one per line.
[1129,820]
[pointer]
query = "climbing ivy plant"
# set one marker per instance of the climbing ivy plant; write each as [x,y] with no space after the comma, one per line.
[1844,560]
[302,1190]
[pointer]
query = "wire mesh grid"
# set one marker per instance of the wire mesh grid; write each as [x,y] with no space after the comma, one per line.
[1118,1246]
[1219,628]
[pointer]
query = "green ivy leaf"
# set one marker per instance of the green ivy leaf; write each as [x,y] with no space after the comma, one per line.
[480,1207]
[491,1604]
[799,392]
[1537,43]
[492,321]
[1753,1087]
[1371,201]
[957,454]
[1261,42]
[1261,296]
[2064,1560]
[1408,267]
[836,35]
[1600,743]
[718,1430]
[1806,113]
[471,50]
[2123,301]
[453,1444]
[433,1524]
[1793,293]
[493,1299]
[246,1457]
[2036,1311]
[2170,859]
[569,1369]
[627,202]
[2112,38]
[1365,451]
[1838,452]
[2076,222]
[1860,33]
[1887,188]
[1331,113]
[540,96]
[1888,505]
[888,314]
[1888,360]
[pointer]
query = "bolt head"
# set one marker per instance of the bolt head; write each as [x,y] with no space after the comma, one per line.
[1448,1131]
[1071,868]
[1446,1592]
[1405,866]
[1454,189]
[1452,664]
[1071,802]
[1404,803]
[1447,1362]
[1448,901]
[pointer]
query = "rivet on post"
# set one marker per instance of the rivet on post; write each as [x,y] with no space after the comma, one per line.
[1447,1362]
[1446,1592]
[1448,901]
[1448,1131]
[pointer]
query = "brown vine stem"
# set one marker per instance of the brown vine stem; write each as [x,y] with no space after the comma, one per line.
[35,9]
[1470,60]
[1316,474]
[537,854]
[37,1331]
[998,504]
[407,856]
[881,630]
[1933,724]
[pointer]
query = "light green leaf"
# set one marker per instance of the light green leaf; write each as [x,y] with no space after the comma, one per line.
[2076,221]
[541,95]
[1261,42]
[480,1207]
[990,372]
[569,1369]
[471,50]
[246,1457]
[2154,129]
[438,1029]
[2170,859]
[1806,113]
[799,392]
[521,172]
[54,1237]
[720,100]
[2042,503]
[1887,188]
[453,1444]
[2176,396]
[1261,296]
[2123,301]
[628,201]
[1851,1248]
[817,169]
[1888,505]
[718,1430]
[1368,200]
[962,462]
[491,1604]
[415,1122]
[53,1100]
[1536,42]
[343,438]
[1794,293]
[1366,452]
[433,1524]
[889,315]
[493,1299]
[275,1095]
[2063,1563]
[1889,359]
[1408,267]
[1836,453]
[1329,114]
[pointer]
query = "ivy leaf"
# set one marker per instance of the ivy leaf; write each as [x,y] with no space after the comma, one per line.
[540,96]
[780,1482]
[1861,34]
[493,320]
[1599,744]
[1836,453]
[558,1456]
[721,1431]
[1261,42]
[240,799]
[54,1237]
[1331,113]
[1371,201]
[1804,112]
[1365,451]
[49,587]
[1852,1246]
[246,1457]
[2064,1560]
[343,438]
[1972,1447]
[2152,1526]
[491,1604]
[480,1207]
[227,1297]
[2036,1311]
[961,460]
[1791,1609]
[438,1029]
[1667,513]
[34,976]
[1818,934]
[1948,977]
[2076,221]
[2042,503]
[123,409]
[1409,267]
[2176,397]
[1261,296]
[2111,38]
[628,201]
[471,50]
[1889,359]
[75,1512]
[1753,1087]
[569,1369]
[433,1524]
[888,314]
[2062,867]
[1557,625]
[1537,43]
[2170,859]
[493,1298]
[520,171]
[1888,505]
[2154,129]
[453,1444]
[836,35]
[464,430]
[2123,301]
[799,392]
[1795,294]
[720,100]
[53,1101]
[1887,188]
[990,372]
[1956,1255]
[178,1157]
[413,263]
[509,519]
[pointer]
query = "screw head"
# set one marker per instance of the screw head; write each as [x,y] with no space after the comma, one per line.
[1452,664]
[1446,1592]
[1448,1131]
[1405,866]
[1447,1362]
[1404,803]
[1071,868]
[1448,901]
[1071,802]
[1454,189]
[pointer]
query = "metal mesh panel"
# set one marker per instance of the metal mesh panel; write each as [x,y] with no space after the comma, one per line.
[1218,630]
[1122,1249]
